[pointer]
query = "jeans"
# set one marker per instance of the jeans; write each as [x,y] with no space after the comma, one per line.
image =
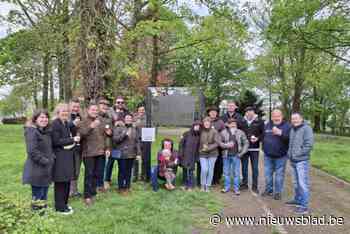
[101,168]
[254,160]
[109,169]
[301,182]
[274,172]
[39,192]
[146,161]
[207,170]
[91,175]
[155,176]
[231,167]
[188,177]
[61,193]
[124,172]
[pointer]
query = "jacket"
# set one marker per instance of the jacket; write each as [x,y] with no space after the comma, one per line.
[128,144]
[301,140]
[241,139]
[276,146]
[211,138]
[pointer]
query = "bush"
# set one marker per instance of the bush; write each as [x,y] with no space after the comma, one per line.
[17,217]
[17,120]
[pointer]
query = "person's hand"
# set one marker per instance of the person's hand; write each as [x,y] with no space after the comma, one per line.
[76,139]
[95,123]
[230,144]
[276,131]
[253,139]
[108,153]
[205,147]
[138,157]
[108,132]
[76,121]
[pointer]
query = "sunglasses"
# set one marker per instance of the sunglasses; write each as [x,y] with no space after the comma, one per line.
[120,102]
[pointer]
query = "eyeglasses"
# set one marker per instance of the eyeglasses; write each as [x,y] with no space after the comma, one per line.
[120,102]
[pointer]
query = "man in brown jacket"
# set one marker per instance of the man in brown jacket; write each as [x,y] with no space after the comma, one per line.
[93,134]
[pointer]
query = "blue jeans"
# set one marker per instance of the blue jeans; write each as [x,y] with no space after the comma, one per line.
[155,176]
[109,169]
[231,167]
[277,167]
[188,177]
[207,170]
[39,192]
[124,172]
[301,182]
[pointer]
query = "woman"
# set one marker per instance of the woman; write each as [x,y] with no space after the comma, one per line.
[40,158]
[208,153]
[126,138]
[63,147]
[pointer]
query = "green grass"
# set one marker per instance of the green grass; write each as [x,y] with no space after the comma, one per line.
[143,212]
[333,156]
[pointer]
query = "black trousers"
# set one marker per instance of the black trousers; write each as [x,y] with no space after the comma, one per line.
[198,173]
[61,193]
[253,156]
[146,161]
[92,173]
[124,172]
[218,169]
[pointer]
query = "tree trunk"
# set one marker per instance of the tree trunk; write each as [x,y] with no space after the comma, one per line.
[65,54]
[317,112]
[45,88]
[155,58]
[52,90]
[60,76]
[299,80]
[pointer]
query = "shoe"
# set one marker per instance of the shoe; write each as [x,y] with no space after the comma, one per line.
[292,203]
[243,187]
[65,212]
[88,201]
[277,196]
[301,210]
[202,188]
[237,193]
[225,190]
[207,190]
[107,185]
[255,191]
[267,194]
[74,195]
[101,190]
[189,189]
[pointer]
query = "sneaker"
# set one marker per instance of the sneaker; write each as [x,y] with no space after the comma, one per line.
[277,196]
[243,187]
[292,203]
[267,194]
[107,185]
[225,190]
[237,193]
[301,210]
[65,212]
[255,191]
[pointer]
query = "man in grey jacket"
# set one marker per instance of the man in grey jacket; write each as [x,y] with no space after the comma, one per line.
[301,141]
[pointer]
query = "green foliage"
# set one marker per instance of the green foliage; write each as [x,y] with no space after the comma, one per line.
[250,99]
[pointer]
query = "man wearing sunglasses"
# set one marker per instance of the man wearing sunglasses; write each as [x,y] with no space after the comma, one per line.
[119,109]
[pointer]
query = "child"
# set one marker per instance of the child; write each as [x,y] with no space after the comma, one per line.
[166,169]
[189,154]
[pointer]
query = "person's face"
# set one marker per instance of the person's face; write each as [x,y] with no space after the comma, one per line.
[103,108]
[141,110]
[196,127]
[276,117]
[75,107]
[213,114]
[42,121]
[207,124]
[128,119]
[296,120]
[93,111]
[250,114]
[231,107]
[63,114]
[167,145]
[232,125]
[119,102]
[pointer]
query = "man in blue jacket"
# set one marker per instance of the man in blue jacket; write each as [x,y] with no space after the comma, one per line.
[275,146]
[301,141]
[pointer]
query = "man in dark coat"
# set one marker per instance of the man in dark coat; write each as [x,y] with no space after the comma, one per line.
[253,127]
[189,153]
[219,125]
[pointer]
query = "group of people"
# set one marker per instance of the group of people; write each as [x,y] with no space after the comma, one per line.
[213,147]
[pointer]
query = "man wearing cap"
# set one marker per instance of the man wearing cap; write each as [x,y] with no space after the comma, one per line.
[219,125]
[254,129]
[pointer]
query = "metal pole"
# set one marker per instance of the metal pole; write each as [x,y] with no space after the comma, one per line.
[148,145]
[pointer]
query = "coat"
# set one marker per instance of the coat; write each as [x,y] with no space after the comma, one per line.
[129,145]
[211,138]
[93,140]
[235,115]
[40,157]
[241,139]
[276,146]
[256,128]
[77,148]
[189,149]
[63,169]
[301,140]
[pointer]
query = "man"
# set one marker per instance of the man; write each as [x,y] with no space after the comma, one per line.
[140,122]
[253,127]
[73,123]
[219,125]
[103,106]
[232,113]
[275,146]
[93,134]
[119,110]
[301,141]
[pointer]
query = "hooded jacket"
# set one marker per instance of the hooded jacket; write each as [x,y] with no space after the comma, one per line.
[301,140]
[189,147]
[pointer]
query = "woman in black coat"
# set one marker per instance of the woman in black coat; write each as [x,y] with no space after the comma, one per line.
[63,146]
[40,158]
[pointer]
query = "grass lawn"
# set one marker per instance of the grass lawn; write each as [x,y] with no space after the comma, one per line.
[143,212]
